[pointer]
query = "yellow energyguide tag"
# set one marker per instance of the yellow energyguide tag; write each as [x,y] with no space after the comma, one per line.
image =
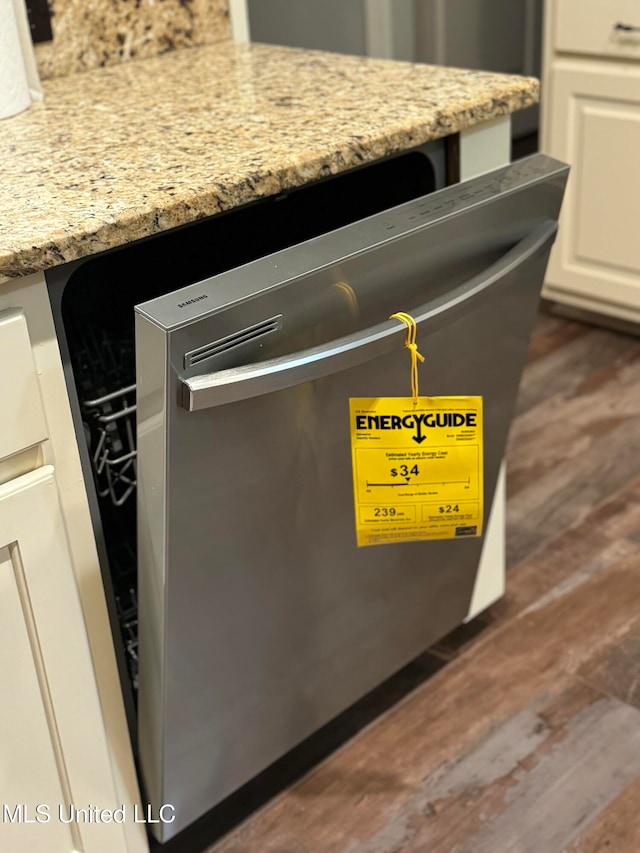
[417,468]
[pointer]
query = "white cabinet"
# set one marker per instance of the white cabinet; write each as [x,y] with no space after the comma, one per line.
[63,742]
[591,119]
[53,754]
[591,27]
[483,148]
[18,387]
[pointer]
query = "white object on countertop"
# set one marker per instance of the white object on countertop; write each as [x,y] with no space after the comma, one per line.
[19,80]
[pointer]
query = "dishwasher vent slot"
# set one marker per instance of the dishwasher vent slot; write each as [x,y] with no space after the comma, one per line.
[195,356]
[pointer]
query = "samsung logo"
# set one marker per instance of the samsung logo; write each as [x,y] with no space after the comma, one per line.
[191,301]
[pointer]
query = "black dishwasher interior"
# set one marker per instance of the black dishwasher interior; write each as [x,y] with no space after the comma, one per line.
[93,303]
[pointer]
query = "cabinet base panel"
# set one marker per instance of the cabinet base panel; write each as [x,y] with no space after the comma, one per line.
[617,317]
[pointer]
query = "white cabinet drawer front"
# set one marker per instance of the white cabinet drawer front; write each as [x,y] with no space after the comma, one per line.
[595,126]
[600,27]
[23,423]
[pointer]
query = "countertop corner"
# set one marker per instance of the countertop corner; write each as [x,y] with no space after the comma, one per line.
[119,153]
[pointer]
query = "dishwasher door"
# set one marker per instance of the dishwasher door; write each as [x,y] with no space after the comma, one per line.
[260,619]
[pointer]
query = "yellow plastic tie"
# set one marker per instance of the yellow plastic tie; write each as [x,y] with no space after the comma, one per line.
[411,345]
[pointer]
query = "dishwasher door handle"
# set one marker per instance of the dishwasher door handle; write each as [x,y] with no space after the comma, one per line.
[265,377]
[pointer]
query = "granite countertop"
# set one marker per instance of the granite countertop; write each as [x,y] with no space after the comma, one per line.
[119,153]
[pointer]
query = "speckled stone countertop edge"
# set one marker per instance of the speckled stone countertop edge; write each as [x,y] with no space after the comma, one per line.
[141,222]
[136,221]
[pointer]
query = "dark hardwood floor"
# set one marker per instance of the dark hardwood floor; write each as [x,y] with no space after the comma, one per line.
[520,731]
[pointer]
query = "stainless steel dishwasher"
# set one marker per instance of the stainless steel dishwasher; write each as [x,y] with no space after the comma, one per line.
[259,617]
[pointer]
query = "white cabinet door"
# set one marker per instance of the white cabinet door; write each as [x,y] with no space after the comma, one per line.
[53,752]
[594,124]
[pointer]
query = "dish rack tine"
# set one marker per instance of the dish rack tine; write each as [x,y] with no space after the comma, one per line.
[114,456]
